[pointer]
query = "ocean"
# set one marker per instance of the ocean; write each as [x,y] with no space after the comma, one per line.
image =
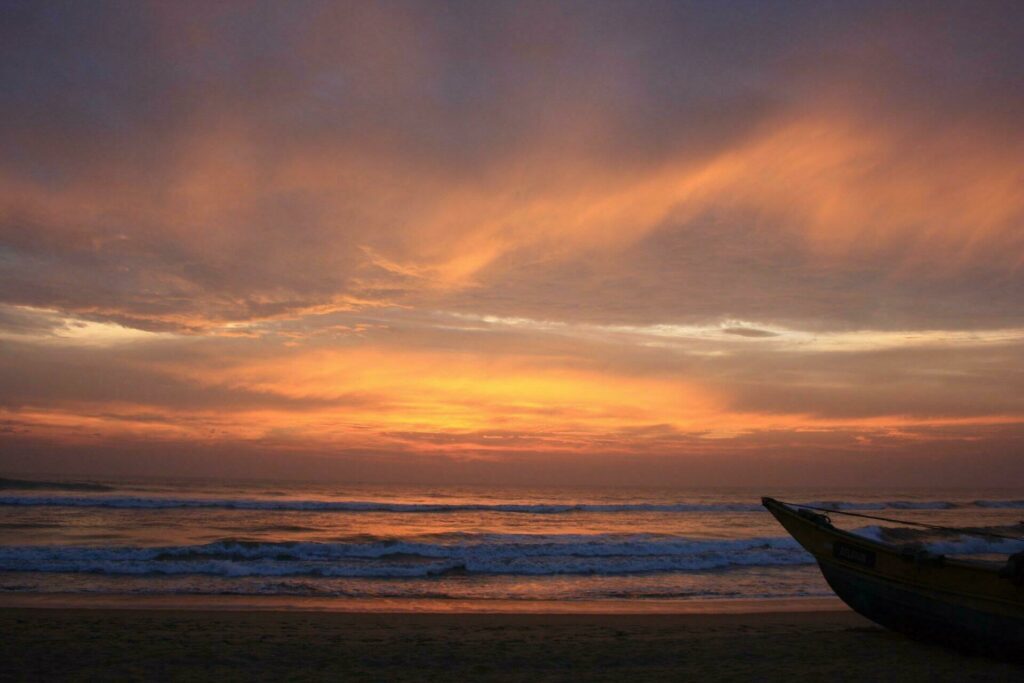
[162,537]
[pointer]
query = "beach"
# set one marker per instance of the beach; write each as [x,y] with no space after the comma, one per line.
[223,641]
[156,580]
[530,340]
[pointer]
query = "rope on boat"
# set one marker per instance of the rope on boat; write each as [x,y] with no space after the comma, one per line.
[959,530]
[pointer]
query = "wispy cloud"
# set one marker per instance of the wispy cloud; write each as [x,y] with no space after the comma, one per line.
[513,229]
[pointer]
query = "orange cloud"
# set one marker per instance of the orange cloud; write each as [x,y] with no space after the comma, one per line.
[855,187]
[456,392]
[329,225]
[850,187]
[398,400]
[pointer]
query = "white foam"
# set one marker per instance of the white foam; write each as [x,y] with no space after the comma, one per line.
[963,544]
[517,554]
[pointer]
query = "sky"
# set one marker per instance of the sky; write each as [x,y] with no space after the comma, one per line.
[729,243]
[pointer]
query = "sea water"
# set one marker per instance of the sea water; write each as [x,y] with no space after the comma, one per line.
[448,542]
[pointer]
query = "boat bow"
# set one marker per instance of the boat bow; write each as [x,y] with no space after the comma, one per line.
[969,604]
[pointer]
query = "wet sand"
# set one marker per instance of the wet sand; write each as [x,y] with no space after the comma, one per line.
[226,644]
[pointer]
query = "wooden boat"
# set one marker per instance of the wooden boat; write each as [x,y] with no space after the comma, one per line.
[969,604]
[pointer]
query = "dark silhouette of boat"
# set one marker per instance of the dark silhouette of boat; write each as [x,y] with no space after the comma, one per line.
[969,604]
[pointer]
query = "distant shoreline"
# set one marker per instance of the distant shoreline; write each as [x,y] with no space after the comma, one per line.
[274,603]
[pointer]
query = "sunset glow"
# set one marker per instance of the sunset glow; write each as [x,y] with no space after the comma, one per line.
[352,237]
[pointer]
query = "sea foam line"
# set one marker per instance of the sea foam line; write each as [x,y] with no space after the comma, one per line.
[441,554]
[514,554]
[509,554]
[141,502]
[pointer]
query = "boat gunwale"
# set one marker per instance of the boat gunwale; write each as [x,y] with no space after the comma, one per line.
[792,509]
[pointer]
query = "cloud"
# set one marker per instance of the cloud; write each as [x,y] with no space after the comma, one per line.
[505,228]
[749,332]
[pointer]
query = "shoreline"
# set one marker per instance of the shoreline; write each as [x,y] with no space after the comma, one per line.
[278,603]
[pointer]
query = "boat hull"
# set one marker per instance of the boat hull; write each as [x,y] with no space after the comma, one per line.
[960,603]
[926,615]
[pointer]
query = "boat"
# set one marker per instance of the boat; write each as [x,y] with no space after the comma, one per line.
[972,605]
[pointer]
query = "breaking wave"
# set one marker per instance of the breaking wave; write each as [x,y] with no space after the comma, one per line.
[888,505]
[33,485]
[511,554]
[1012,504]
[461,553]
[949,541]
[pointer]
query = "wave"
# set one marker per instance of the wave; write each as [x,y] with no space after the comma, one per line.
[154,502]
[511,554]
[138,502]
[886,505]
[33,485]
[947,541]
[1013,504]
[367,556]
[461,553]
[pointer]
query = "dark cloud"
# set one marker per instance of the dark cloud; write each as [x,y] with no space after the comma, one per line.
[751,332]
[783,460]
[909,383]
[86,379]
[191,165]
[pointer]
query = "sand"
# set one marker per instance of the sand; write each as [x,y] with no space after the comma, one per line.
[101,643]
